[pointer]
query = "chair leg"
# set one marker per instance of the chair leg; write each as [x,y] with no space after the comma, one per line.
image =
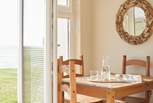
[147,95]
[62,97]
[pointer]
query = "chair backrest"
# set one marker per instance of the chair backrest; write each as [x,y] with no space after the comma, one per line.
[77,62]
[71,65]
[136,62]
[142,63]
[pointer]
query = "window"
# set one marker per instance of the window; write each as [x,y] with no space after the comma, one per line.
[34,50]
[9,41]
[63,2]
[25,67]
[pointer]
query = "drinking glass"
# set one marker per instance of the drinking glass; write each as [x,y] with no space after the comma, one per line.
[94,74]
[106,68]
[106,72]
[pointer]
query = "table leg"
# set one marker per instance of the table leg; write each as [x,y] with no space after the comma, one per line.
[110,97]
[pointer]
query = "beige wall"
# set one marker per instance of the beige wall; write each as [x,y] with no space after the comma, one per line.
[99,37]
[105,39]
[86,31]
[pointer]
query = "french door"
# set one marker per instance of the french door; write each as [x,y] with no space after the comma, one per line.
[26,51]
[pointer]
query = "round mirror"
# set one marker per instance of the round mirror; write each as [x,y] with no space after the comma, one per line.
[134,21]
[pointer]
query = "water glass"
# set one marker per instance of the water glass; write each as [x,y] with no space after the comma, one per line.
[94,74]
[106,72]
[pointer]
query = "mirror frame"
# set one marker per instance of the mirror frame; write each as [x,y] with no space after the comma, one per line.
[147,32]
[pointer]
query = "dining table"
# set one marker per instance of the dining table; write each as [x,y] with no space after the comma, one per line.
[110,90]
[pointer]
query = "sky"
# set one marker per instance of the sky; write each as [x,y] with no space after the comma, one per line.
[34,23]
[9,23]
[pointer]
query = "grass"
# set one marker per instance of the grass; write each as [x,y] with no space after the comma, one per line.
[8,85]
[33,79]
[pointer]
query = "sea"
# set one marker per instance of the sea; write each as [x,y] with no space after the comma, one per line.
[9,57]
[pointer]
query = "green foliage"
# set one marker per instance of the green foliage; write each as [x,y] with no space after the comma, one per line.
[8,85]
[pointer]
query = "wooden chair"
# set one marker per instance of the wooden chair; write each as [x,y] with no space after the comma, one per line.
[142,63]
[74,97]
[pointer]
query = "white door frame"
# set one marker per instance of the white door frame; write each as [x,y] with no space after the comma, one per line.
[54,52]
[49,73]
[20,68]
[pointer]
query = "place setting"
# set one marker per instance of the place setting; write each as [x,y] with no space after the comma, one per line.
[105,76]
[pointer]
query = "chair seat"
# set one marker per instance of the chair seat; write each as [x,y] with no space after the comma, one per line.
[87,99]
[131,99]
[82,98]
[116,101]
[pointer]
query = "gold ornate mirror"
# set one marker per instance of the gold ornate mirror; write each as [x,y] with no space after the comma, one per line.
[134,21]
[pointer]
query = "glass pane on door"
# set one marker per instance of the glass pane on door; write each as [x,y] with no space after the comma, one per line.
[9,41]
[63,31]
[34,50]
